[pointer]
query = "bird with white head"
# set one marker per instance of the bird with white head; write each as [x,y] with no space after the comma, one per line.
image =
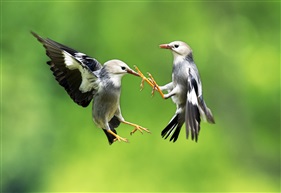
[185,91]
[84,79]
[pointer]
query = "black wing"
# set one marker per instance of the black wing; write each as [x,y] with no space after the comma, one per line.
[72,69]
[192,119]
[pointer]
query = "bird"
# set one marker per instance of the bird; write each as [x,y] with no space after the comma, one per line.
[85,79]
[185,91]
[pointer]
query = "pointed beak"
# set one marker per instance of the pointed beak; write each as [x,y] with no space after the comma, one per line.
[165,46]
[130,71]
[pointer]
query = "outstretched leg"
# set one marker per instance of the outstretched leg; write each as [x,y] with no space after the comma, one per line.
[137,127]
[122,120]
[156,87]
[150,81]
[143,78]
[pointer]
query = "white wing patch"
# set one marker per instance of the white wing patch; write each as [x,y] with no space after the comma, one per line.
[88,78]
[70,62]
[88,81]
[191,97]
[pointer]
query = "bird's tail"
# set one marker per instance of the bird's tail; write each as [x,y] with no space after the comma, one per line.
[109,136]
[208,113]
[173,128]
[113,123]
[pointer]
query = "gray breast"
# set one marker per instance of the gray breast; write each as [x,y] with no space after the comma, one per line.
[105,103]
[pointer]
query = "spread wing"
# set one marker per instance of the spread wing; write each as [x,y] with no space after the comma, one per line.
[73,70]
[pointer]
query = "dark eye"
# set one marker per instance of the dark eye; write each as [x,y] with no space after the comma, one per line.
[123,68]
[176,45]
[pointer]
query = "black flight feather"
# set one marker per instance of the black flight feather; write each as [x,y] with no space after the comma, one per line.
[192,110]
[69,79]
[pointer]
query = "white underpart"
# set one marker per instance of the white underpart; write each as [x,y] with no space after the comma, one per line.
[88,78]
[116,79]
[177,58]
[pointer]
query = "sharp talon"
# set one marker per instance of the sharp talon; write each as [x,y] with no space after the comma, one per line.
[121,139]
[152,92]
[142,85]
[155,86]
[143,78]
[137,128]
[132,132]
[117,137]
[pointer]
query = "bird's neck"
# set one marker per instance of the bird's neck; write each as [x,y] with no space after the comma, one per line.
[113,79]
[116,80]
[178,58]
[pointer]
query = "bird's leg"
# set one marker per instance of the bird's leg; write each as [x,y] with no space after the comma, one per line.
[155,86]
[143,78]
[137,127]
[117,136]
[150,81]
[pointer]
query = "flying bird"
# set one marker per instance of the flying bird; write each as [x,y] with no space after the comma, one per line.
[84,79]
[185,91]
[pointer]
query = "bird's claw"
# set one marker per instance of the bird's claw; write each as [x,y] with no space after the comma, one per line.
[144,79]
[136,127]
[150,81]
[155,86]
[121,139]
[140,129]
[117,137]
[142,84]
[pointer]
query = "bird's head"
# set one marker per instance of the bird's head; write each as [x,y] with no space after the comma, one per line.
[119,68]
[178,48]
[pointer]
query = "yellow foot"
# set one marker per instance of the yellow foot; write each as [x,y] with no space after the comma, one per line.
[118,138]
[155,86]
[137,127]
[143,79]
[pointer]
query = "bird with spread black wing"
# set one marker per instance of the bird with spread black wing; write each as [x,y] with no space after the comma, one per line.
[185,91]
[84,79]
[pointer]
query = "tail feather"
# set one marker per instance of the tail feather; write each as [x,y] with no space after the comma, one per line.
[192,121]
[109,136]
[207,111]
[169,128]
[173,128]
[192,114]
[113,123]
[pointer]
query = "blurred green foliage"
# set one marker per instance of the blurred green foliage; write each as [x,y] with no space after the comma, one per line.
[50,144]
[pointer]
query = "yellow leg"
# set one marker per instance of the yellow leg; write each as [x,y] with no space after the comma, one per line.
[150,81]
[156,87]
[143,78]
[137,127]
[118,137]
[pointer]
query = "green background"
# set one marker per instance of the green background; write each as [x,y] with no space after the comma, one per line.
[50,144]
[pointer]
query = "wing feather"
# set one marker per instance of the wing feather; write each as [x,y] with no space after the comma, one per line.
[73,70]
[192,119]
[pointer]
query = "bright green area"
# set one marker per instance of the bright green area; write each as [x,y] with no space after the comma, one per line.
[50,144]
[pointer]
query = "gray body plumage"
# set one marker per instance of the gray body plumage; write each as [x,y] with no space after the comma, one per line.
[84,79]
[109,94]
[186,92]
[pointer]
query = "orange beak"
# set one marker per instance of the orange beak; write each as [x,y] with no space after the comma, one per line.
[165,46]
